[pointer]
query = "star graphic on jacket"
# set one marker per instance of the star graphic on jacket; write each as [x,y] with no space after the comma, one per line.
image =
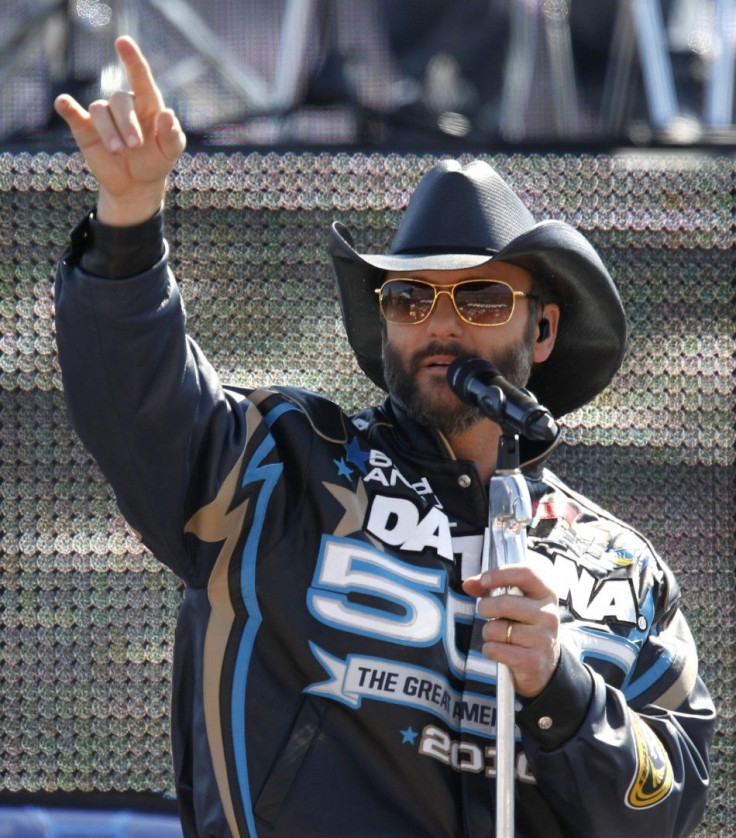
[355,504]
[343,469]
[356,455]
[408,736]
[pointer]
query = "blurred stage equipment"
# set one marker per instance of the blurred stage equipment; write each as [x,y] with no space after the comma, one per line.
[639,28]
[372,72]
[520,78]
[257,92]
[720,89]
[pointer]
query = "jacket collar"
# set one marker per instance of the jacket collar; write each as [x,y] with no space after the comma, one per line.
[431,443]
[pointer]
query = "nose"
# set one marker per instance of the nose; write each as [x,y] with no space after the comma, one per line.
[444,320]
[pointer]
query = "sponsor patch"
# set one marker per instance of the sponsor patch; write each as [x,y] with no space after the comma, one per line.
[653,778]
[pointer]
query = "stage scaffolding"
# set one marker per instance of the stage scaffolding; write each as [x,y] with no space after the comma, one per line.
[358,73]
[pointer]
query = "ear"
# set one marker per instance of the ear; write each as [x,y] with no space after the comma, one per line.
[546,336]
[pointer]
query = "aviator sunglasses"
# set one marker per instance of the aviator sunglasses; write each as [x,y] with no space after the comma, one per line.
[480,302]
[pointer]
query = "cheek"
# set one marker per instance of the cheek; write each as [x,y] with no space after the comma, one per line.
[496,338]
[400,337]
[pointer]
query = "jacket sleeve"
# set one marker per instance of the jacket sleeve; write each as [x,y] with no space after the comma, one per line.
[143,399]
[629,760]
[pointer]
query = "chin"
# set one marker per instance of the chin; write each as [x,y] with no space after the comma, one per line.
[424,394]
[439,408]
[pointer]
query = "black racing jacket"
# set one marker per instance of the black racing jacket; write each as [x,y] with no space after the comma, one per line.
[327,676]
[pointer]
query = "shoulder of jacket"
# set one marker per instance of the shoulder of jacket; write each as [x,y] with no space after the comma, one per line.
[584,517]
[326,418]
[568,524]
[584,504]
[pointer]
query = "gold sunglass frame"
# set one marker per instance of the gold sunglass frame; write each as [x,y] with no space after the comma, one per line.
[450,291]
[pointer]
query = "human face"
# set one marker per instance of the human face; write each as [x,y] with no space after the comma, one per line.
[416,356]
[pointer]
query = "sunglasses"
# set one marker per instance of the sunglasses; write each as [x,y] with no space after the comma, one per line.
[480,302]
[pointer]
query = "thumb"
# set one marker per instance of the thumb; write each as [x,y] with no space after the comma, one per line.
[78,120]
[171,139]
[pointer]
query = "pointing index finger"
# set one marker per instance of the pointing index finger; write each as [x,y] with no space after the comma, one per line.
[148,99]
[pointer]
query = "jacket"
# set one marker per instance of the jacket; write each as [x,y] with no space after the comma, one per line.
[327,678]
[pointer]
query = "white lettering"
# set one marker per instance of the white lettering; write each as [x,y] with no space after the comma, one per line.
[397,476]
[611,599]
[432,531]
[379,459]
[351,567]
[396,521]
[469,548]
[466,756]
[376,474]
[422,487]
[392,519]
[460,609]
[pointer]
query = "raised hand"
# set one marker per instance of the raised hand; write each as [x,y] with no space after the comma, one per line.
[130,142]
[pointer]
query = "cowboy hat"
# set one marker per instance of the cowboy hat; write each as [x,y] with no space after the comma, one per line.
[462,217]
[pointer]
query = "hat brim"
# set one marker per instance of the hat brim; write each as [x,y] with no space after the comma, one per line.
[591,337]
[431,262]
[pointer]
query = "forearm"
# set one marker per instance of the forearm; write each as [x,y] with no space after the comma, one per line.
[139,392]
[627,773]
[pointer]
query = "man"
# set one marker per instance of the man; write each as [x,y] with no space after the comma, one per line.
[337,646]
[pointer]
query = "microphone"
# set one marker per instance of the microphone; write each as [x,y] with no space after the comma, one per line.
[480,383]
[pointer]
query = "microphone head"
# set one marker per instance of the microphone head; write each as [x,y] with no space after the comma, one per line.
[466,366]
[480,383]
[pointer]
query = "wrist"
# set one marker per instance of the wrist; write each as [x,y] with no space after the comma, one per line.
[555,715]
[109,252]
[130,209]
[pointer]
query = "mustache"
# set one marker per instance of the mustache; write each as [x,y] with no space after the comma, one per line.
[454,348]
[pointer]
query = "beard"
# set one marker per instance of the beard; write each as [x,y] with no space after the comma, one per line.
[438,407]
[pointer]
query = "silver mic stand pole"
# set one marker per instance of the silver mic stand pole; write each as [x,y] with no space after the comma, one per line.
[509,514]
[479,382]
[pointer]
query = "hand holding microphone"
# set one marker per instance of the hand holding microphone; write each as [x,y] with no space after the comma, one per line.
[480,383]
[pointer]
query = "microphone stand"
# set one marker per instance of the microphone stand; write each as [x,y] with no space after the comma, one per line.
[509,514]
[478,382]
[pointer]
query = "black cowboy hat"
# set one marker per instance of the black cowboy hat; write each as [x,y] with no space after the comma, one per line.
[462,217]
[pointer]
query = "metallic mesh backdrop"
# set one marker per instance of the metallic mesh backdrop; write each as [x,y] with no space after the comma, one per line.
[88,615]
